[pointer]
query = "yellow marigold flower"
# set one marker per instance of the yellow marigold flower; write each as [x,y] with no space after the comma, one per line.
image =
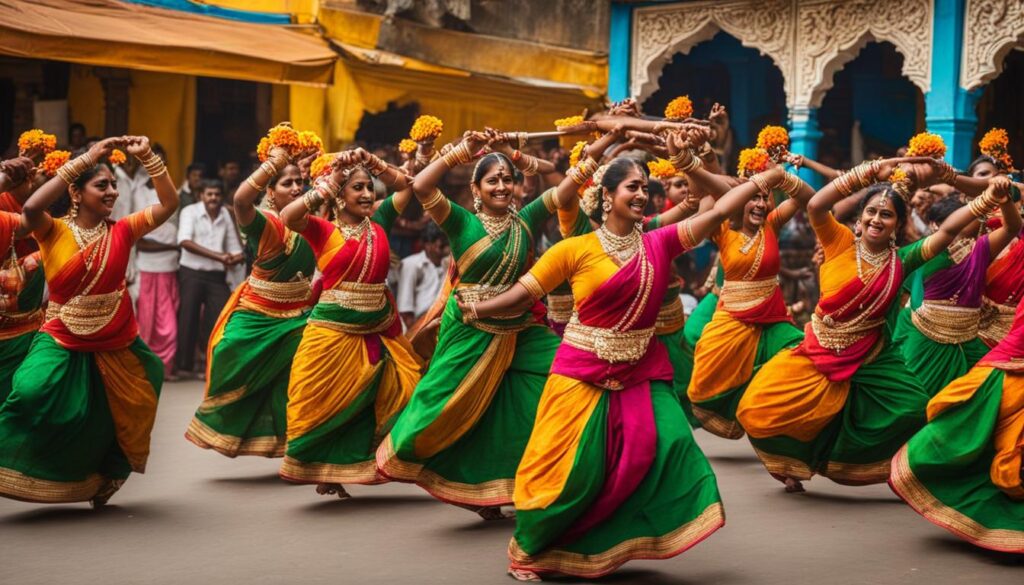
[567,122]
[898,175]
[407,145]
[36,139]
[426,128]
[117,157]
[926,144]
[321,165]
[576,152]
[283,136]
[662,169]
[773,137]
[54,161]
[752,161]
[310,142]
[679,108]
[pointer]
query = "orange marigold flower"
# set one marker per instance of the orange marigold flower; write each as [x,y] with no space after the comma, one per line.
[898,175]
[662,169]
[994,141]
[772,137]
[36,139]
[54,161]
[117,157]
[679,108]
[926,144]
[576,152]
[283,136]
[407,145]
[321,166]
[752,161]
[426,128]
[310,142]
[567,122]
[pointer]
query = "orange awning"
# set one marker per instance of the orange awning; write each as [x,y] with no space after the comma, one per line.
[118,34]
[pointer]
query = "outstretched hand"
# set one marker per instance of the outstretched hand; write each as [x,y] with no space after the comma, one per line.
[102,149]
[137,146]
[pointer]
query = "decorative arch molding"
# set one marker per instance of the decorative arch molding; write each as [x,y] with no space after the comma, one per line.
[832,33]
[659,32]
[992,28]
[809,40]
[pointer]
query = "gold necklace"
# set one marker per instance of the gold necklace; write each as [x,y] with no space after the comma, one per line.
[749,241]
[356,230]
[85,236]
[495,225]
[622,248]
[875,259]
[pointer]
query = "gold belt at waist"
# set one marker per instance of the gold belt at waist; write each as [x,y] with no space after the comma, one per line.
[295,291]
[86,314]
[560,307]
[608,344]
[995,320]
[670,317]
[10,318]
[839,336]
[743,295]
[946,323]
[358,296]
[477,293]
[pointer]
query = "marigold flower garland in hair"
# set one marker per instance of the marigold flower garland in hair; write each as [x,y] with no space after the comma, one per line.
[283,136]
[426,128]
[407,145]
[36,139]
[321,166]
[926,144]
[117,157]
[679,108]
[662,169]
[775,140]
[309,141]
[576,152]
[54,161]
[996,143]
[752,161]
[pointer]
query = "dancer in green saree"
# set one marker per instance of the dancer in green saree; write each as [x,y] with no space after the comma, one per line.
[468,421]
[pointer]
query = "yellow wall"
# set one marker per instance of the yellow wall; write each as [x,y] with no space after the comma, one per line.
[85,100]
[163,107]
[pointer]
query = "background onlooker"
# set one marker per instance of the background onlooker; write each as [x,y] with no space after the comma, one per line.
[422,274]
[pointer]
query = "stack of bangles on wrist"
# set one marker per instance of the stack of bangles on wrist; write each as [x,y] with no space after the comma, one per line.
[949,174]
[532,164]
[458,155]
[74,168]
[860,177]
[762,184]
[324,189]
[790,184]
[685,162]
[377,166]
[269,168]
[436,199]
[474,316]
[583,170]
[153,164]
[983,205]
[425,160]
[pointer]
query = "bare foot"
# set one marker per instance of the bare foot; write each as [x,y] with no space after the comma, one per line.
[106,491]
[330,489]
[793,486]
[494,513]
[523,574]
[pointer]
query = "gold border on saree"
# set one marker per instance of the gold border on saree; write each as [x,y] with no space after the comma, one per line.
[201,435]
[608,344]
[358,296]
[743,295]
[944,322]
[85,315]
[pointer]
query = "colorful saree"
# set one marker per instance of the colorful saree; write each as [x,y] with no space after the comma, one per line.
[353,371]
[938,333]
[21,298]
[610,475]
[249,357]
[83,402]
[467,424]
[1004,288]
[750,325]
[962,471]
[843,401]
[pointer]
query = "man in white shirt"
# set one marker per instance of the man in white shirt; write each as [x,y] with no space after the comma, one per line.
[209,245]
[421,275]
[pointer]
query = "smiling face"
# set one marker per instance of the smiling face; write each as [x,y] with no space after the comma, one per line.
[879,220]
[755,212]
[495,188]
[629,198]
[287,188]
[97,195]
[358,195]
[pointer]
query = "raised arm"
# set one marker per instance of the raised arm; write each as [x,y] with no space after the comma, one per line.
[799,160]
[528,164]
[702,225]
[251,188]
[799,194]
[324,189]
[16,172]
[426,181]
[995,196]
[166,192]
[394,178]
[683,159]
[576,177]
[682,210]
[515,301]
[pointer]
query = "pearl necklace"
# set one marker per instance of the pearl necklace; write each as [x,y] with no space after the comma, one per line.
[621,248]
[85,236]
[495,225]
[875,259]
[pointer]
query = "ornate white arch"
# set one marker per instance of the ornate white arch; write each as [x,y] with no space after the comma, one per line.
[992,28]
[830,34]
[659,32]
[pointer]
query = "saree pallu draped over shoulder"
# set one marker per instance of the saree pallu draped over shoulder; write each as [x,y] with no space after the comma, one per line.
[962,471]
[469,419]
[82,405]
[353,371]
[1004,288]
[21,294]
[250,353]
[610,473]
[841,402]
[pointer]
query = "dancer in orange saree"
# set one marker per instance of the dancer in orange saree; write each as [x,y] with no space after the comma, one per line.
[252,345]
[611,472]
[842,402]
[353,371]
[962,471]
[79,416]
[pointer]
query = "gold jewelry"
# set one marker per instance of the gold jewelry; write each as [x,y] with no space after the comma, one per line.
[532,164]
[153,164]
[312,200]
[583,170]
[790,184]
[495,225]
[355,231]
[458,155]
[71,170]
[875,259]
[621,248]
[269,168]
[252,183]
[685,162]
[86,236]
[762,183]
[436,199]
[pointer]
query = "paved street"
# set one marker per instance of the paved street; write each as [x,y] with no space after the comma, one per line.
[196,517]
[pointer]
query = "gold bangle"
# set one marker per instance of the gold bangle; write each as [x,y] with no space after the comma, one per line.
[312,200]
[252,183]
[269,168]
[434,200]
[762,184]
[790,184]
[71,170]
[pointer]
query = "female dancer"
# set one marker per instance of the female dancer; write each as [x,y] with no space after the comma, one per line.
[751,323]
[962,471]
[843,401]
[610,474]
[79,416]
[21,277]
[252,345]
[353,371]
[938,333]
[468,422]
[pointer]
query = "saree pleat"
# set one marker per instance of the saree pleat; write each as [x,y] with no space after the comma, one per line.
[935,364]
[12,354]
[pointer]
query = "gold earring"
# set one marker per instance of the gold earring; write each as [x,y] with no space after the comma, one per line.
[73,212]
[478,203]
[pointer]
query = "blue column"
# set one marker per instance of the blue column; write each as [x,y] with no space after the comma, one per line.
[804,135]
[949,109]
[619,51]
